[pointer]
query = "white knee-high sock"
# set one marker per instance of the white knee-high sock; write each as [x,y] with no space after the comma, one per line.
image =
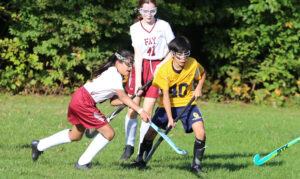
[61,137]
[130,130]
[95,146]
[143,130]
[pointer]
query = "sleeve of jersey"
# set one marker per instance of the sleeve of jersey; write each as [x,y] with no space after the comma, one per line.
[160,80]
[116,83]
[199,71]
[133,37]
[169,33]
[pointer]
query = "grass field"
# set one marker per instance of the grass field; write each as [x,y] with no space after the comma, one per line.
[235,133]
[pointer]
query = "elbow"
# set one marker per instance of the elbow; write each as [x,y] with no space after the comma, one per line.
[203,76]
[116,103]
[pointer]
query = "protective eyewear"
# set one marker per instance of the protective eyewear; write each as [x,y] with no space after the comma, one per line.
[124,60]
[180,55]
[152,11]
[129,64]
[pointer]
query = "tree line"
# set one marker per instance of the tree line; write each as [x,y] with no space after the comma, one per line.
[250,49]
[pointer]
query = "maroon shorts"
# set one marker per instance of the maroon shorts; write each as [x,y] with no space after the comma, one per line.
[82,110]
[150,91]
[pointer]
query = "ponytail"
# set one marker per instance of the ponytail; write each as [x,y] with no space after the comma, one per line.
[112,60]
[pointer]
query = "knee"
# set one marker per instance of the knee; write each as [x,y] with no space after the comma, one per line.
[203,133]
[73,137]
[76,139]
[131,114]
[200,134]
[109,135]
[151,134]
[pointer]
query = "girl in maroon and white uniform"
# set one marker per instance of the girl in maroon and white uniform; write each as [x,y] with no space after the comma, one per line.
[83,113]
[150,37]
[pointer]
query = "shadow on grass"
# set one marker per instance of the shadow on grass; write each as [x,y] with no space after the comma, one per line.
[18,146]
[128,166]
[24,146]
[275,163]
[228,162]
[210,166]
[228,156]
[229,166]
[96,163]
[185,168]
[150,165]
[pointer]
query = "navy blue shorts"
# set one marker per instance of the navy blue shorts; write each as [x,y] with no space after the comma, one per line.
[189,117]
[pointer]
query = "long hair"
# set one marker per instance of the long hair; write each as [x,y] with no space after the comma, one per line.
[141,2]
[112,60]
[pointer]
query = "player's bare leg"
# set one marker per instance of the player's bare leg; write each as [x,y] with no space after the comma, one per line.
[106,134]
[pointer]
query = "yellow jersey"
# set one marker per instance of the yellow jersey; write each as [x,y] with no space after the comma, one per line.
[181,85]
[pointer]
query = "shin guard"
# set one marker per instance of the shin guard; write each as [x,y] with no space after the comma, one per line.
[199,148]
[145,147]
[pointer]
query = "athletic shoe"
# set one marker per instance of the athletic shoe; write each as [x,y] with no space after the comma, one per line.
[197,169]
[128,151]
[35,152]
[140,164]
[83,167]
[138,158]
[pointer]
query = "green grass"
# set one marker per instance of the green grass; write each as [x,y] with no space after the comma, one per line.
[235,133]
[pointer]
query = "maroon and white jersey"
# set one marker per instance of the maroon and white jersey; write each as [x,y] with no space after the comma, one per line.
[105,85]
[154,43]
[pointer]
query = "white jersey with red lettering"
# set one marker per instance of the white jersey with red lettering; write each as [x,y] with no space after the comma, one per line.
[154,43]
[105,85]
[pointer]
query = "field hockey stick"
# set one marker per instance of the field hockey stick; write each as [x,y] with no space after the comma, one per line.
[167,131]
[276,152]
[168,140]
[117,111]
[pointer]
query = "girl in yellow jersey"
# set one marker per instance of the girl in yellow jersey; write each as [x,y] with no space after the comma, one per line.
[176,79]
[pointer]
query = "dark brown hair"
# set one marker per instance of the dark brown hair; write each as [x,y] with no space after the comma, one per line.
[179,44]
[141,2]
[112,60]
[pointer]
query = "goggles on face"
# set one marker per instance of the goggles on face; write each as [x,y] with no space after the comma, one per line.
[180,55]
[145,12]
[124,60]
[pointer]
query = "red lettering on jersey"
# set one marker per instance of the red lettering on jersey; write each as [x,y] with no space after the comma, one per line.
[150,41]
[146,41]
[153,39]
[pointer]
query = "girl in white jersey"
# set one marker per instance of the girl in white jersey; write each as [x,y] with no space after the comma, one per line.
[150,37]
[83,113]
